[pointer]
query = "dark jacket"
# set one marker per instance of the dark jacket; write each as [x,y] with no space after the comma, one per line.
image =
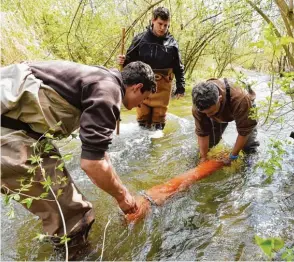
[237,110]
[159,53]
[96,91]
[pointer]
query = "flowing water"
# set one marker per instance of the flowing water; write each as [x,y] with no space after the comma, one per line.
[215,219]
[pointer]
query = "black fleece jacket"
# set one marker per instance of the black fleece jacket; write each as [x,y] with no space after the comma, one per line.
[159,53]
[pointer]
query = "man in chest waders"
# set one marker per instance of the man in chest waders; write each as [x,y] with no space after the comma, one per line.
[157,48]
[34,98]
[215,103]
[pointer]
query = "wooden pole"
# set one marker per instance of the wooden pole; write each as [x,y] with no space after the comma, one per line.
[123,33]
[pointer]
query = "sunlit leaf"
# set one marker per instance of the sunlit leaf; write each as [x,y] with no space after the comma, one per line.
[59,192]
[28,201]
[67,157]
[60,166]
[48,135]
[269,245]
[64,239]
[16,197]
[288,254]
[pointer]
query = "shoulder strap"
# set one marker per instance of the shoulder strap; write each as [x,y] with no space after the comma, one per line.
[228,91]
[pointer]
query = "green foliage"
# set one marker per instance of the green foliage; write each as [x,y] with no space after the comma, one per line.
[35,159]
[61,180]
[285,85]
[64,239]
[275,155]
[269,245]
[222,151]
[42,148]
[10,213]
[47,183]
[40,237]
[27,201]
[288,254]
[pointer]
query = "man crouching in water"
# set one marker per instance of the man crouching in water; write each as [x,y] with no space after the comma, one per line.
[37,96]
[215,103]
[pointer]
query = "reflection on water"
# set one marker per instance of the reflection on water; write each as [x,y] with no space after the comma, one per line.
[216,219]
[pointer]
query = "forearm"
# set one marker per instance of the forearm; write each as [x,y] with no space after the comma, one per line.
[240,143]
[103,175]
[203,142]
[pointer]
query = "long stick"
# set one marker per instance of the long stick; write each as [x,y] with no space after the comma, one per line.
[123,33]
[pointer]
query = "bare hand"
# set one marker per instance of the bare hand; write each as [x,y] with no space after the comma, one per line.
[121,59]
[227,161]
[144,207]
[128,204]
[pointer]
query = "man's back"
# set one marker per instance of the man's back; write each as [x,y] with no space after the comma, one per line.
[70,79]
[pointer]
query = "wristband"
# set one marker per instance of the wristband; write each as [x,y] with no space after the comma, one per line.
[233,157]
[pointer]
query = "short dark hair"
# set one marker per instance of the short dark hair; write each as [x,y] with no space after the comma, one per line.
[139,72]
[205,95]
[161,12]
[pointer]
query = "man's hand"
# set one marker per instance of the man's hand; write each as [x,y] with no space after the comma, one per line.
[128,204]
[202,159]
[121,59]
[178,96]
[229,159]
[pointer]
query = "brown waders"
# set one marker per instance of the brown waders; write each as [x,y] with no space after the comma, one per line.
[152,111]
[218,129]
[25,98]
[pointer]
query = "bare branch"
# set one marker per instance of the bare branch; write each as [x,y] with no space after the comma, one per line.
[129,28]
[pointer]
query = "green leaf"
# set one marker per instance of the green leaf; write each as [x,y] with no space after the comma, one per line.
[28,201]
[48,135]
[32,170]
[10,213]
[59,193]
[277,243]
[47,183]
[24,190]
[35,159]
[48,148]
[285,40]
[60,166]
[40,237]
[43,195]
[34,144]
[61,179]
[26,186]
[288,254]
[16,197]
[67,157]
[56,157]
[7,199]
[64,239]
[265,245]
[59,123]
[268,245]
